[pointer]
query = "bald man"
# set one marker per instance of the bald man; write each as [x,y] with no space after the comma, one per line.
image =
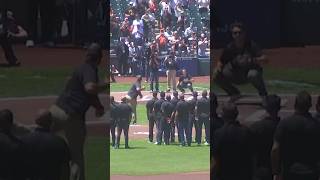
[80,93]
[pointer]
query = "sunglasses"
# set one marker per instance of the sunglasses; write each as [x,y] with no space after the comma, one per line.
[236,32]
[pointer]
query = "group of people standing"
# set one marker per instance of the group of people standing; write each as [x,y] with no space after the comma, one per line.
[168,113]
[270,148]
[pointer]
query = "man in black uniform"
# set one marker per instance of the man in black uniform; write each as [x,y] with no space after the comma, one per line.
[203,115]
[317,114]
[158,115]
[296,146]
[80,93]
[47,155]
[5,24]
[185,81]
[151,115]
[232,150]
[10,148]
[263,133]
[240,63]
[174,101]
[182,118]
[216,121]
[167,110]
[124,122]
[192,115]
[114,114]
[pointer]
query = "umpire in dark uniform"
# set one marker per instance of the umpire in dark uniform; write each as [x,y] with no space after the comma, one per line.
[203,116]
[174,101]
[182,118]
[114,115]
[167,110]
[4,39]
[125,111]
[192,115]
[158,114]
[151,115]
[240,63]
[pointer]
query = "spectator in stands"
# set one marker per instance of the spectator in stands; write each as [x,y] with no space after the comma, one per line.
[153,6]
[138,36]
[296,146]
[178,10]
[164,6]
[147,24]
[183,48]
[162,41]
[131,12]
[189,30]
[203,7]
[317,114]
[132,57]
[185,81]
[202,46]
[181,23]
[166,18]
[263,133]
[122,52]
[168,33]
[125,29]
[175,40]
[232,150]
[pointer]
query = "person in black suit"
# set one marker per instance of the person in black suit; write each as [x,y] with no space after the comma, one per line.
[122,52]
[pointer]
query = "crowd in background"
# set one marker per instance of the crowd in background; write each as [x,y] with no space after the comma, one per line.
[164,26]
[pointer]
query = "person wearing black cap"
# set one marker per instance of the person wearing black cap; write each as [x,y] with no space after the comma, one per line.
[151,115]
[133,93]
[158,115]
[263,133]
[174,101]
[114,114]
[182,118]
[167,110]
[192,115]
[203,116]
[47,155]
[124,122]
[232,150]
[80,93]
[296,145]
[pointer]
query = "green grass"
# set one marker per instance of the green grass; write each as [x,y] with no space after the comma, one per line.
[96,155]
[117,87]
[150,159]
[17,82]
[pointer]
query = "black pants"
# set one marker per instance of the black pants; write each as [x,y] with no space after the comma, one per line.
[151,126]
[158,118]
[172,131]
[113,132]
[193,122]
[123,66]
[164,131]
[229,76]
[123,125]
[206,122]
[184,131]
[7,48]
[182,86]
[47,12]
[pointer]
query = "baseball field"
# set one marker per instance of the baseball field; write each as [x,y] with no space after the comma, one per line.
[43,74]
